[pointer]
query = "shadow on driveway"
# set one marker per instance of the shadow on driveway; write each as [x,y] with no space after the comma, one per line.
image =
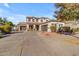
[6,35]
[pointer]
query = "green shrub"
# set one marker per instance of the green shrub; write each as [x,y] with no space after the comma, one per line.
[76,29]
[66,29]
[5,28]
[53,28]
[1,36]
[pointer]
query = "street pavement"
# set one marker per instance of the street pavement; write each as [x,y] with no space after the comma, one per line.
[31,44]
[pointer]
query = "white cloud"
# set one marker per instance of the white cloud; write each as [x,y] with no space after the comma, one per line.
[1,10]
[7,5]
[4,13]
[17,18]
[11,17]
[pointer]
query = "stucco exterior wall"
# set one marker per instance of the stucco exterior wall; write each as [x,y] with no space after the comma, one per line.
[53,23]
[39,21]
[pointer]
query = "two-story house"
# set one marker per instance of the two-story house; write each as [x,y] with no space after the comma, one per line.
[38,24]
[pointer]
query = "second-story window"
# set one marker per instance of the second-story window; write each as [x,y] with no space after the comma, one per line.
[36,20]
[46,20]
[41,20]
[29,20]
[33,20]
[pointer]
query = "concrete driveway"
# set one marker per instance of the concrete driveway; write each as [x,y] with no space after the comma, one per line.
[31,44]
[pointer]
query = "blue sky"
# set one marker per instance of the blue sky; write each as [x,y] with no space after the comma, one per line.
[18,12]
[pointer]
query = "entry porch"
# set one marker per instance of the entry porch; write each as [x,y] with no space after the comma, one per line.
[29,27]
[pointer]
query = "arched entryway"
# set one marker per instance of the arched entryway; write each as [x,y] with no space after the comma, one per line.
[37,27]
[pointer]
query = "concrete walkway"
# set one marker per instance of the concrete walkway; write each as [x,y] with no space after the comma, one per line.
[31,44]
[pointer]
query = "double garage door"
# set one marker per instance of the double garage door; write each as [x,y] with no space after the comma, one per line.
[44,27]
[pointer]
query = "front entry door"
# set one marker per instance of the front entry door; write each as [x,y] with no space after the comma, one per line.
[31,27]
[37,27]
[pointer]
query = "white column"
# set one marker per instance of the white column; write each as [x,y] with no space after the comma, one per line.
[31,20]
[34,27]
[48,29]
[57,27]
[19,28]
[40,27]
[26,20]
[35,20]
[27,27]
[39,20]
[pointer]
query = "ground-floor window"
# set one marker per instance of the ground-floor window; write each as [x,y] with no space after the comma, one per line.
[60,25]
[37,27]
